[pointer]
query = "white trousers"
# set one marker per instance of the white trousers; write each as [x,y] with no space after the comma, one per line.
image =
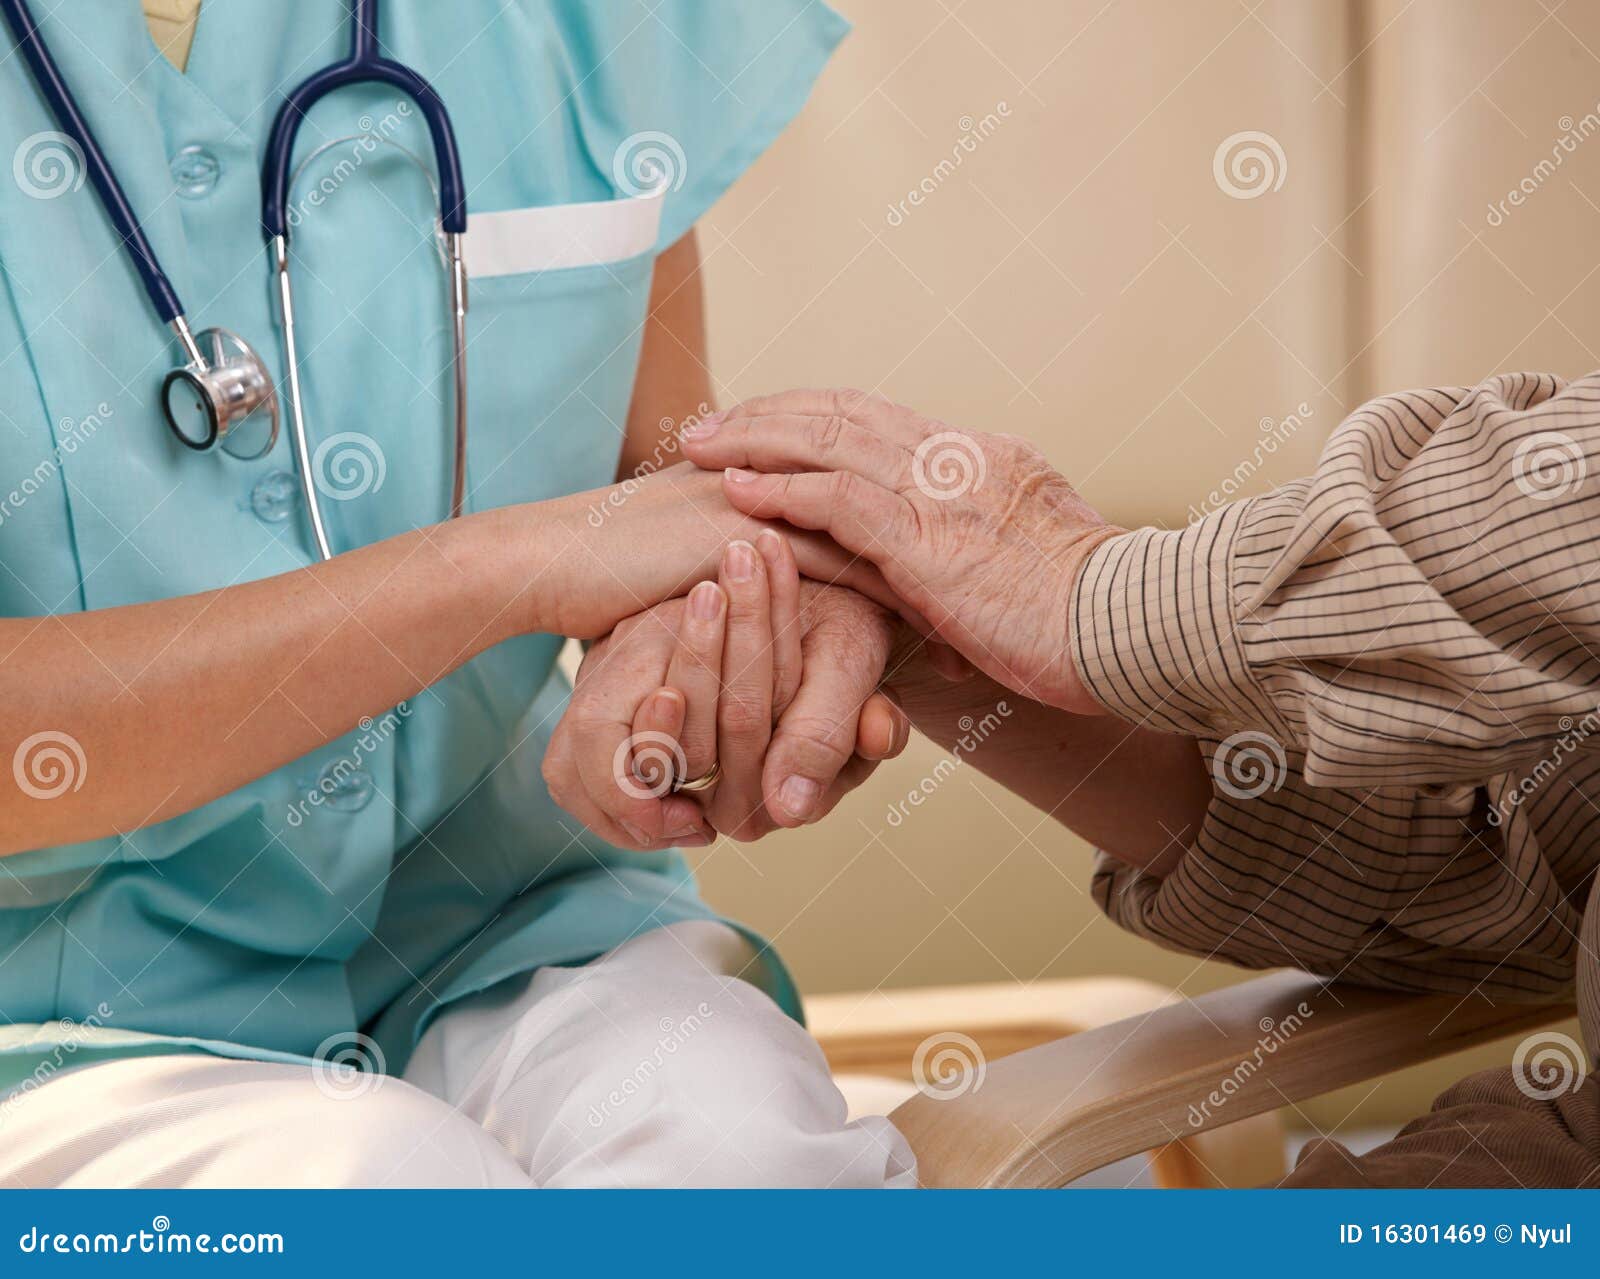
[652,1066]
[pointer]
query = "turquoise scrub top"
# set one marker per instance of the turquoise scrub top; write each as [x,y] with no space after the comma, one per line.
[419,858]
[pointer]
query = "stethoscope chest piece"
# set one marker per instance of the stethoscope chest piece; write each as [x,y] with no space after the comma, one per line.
[223,397]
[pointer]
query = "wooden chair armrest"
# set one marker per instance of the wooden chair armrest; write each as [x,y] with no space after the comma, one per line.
[878,1031]
[1048,1115]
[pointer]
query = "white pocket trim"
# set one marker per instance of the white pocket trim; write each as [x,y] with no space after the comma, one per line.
[555,237]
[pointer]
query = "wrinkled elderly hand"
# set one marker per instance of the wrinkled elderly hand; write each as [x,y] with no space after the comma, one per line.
[975,531]
[773,677]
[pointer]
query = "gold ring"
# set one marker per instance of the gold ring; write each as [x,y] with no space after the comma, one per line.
[704,782]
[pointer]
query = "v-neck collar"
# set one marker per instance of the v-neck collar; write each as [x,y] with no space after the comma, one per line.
[118,38]
[177,19]
[246,55]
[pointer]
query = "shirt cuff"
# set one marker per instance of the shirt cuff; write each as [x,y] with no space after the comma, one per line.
[1153,629]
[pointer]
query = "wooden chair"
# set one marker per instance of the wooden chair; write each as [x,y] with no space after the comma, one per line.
[1065,1089]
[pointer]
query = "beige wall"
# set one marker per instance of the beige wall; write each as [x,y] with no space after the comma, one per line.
[1082,279]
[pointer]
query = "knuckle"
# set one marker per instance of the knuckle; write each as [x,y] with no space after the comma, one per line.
[818,739]
[829,642]
[850,401]
[842,604]
[743,717]
[748,601]
[699,752]
[1021,454]
[560,739]
[626,628]
[644,630]
[585,720]
[557,780]
[699,653]
[828,434]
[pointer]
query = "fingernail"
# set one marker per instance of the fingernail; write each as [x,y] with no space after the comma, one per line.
[664,706]
[741,561]
[684,832]
[638,836]
[740,476]
[697,840]
[770,543]
[705,602]
[798,795]
[704,429]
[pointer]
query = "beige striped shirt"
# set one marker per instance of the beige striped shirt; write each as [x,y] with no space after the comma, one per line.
[1392,670]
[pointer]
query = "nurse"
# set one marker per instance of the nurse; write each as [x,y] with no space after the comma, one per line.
[283,897]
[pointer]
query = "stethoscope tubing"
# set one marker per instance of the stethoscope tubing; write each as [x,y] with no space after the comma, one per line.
[64,107]
[364,66]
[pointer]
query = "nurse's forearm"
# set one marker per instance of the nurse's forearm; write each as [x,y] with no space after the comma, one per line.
[119,718]
[1138,794]
[153,709]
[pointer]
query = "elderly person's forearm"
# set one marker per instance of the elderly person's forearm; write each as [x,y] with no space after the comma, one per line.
[1128,790]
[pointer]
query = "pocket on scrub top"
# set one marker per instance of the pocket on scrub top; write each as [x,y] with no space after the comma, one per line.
[557,300]
[561,237]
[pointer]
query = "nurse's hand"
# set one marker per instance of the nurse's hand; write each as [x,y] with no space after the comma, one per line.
[975,531]
[789,707]
[774,677]
[612,553]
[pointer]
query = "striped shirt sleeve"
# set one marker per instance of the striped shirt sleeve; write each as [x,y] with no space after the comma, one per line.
[1391,670]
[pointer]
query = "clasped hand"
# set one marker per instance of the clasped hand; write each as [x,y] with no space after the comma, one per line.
[972,538]
[768,677]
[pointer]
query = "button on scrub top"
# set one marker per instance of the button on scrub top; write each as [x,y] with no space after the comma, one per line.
[418,858]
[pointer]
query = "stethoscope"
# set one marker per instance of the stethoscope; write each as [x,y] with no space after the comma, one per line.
[224,384]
